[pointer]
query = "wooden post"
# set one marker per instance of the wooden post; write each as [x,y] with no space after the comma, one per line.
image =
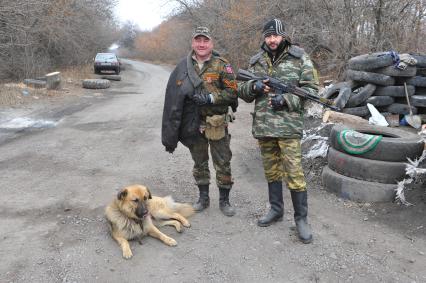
[53,80]
[343,118]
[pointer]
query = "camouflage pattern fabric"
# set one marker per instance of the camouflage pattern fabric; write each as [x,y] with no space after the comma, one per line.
[293,66]
[221,155]
[282,159]
[219,79]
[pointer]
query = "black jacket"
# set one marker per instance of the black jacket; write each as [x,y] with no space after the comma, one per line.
[181,120]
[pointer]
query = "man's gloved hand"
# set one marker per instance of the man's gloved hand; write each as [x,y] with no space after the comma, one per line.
[277,101]
[258,87]
[202,98]
[234,105]
[170,149]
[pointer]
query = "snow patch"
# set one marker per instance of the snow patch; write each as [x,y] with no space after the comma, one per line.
[22,123]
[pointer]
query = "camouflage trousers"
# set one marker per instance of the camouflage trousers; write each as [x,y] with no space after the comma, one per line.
[282,159]
[221,155]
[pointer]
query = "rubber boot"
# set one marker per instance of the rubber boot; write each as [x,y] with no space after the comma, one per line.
[276,212]
[204,200]
[300,205]
[224,204]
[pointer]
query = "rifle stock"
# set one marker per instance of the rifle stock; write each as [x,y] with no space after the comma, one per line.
[244,75]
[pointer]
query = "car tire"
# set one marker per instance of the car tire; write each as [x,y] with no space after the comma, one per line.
[361,168]
[379,101]
[418,100]
[357,190]
[421,60]
[410,71]
[357,98]
[417,81]
[360,111]
[111,77]
[369,77]
[395,146]
[340,93]
[400,108]
[96,83]
[372,61]
[394,91]
[35,83]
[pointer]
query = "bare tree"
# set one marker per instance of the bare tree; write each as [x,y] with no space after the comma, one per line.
[37,35]
[331,31]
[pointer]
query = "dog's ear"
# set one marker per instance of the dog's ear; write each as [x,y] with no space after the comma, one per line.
[149,193]
[122,194]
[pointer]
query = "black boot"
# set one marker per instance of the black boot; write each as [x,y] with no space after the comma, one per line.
[277,205]
[204,200]
[224,204]
[300,205]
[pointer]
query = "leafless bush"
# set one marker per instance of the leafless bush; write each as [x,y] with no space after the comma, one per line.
[37,35]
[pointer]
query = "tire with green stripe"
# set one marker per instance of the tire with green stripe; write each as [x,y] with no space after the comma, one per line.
[357,190]
[361,168]
[396,145]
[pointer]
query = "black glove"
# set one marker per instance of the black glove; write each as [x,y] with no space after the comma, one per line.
[202,98]
[277,101]
[258,87]
[170,149]
[234,105]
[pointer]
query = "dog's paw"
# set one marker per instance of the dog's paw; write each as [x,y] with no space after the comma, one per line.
[186,224]
[127,253]
[179,227]
[170,242]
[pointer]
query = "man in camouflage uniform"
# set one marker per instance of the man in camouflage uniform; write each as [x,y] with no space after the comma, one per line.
[199,93]
[278,122]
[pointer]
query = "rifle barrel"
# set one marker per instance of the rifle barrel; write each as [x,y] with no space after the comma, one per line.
[244,75]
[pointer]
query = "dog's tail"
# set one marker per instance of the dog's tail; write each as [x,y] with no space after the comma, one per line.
[185,209]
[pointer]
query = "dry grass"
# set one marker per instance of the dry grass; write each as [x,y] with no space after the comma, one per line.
[12,94]
[75,74]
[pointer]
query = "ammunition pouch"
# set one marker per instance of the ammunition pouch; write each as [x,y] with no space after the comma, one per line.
[215,127]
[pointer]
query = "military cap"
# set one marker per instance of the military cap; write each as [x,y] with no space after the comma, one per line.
[201,31]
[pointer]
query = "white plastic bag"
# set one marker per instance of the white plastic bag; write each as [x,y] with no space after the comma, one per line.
[376,118]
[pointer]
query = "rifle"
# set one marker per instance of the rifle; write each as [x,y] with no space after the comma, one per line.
[281,87]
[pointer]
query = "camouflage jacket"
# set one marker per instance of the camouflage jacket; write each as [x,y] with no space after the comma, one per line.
[219,80]
[293,66]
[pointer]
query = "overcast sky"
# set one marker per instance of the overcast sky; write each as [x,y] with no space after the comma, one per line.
[146,13]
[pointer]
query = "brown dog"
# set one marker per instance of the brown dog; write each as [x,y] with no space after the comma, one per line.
[136,213]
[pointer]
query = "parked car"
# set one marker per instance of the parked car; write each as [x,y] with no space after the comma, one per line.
[106,62]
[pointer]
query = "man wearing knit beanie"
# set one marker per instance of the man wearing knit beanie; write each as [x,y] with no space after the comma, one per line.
[278,122]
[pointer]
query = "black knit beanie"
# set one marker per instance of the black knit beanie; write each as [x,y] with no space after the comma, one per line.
[274,26]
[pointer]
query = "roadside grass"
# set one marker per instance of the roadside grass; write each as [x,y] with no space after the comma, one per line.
[17,93]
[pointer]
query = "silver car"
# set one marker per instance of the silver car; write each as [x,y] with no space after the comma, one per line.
[106,62]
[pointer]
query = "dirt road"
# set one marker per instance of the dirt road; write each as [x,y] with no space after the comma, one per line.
[57,178]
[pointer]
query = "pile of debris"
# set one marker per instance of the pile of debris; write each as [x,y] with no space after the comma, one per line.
[387,80]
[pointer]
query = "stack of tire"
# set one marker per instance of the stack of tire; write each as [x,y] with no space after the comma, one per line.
[373,78]
[371,176]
